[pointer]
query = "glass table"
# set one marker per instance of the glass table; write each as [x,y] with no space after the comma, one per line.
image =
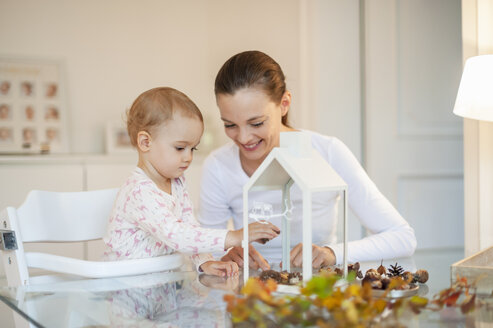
[186,299]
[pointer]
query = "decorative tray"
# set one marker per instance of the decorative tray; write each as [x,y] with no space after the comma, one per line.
[396,293]
[476,267]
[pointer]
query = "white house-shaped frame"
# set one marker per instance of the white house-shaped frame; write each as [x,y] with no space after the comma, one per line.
[295,161]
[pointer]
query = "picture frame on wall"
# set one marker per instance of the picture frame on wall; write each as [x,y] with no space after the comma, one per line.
[33,106]
[117,139]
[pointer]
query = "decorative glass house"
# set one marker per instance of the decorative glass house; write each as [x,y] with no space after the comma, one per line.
[295,161]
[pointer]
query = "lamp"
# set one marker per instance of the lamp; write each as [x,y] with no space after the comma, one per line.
[475,100]
[475,95]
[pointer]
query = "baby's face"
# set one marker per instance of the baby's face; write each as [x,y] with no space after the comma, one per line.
[173,143]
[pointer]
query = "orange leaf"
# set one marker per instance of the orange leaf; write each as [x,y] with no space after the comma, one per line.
[468,303]
[451,299]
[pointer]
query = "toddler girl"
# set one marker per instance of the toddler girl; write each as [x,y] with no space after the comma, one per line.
[153,214]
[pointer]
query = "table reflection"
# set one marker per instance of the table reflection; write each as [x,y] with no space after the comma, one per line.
[178,299]
[187,299]
[194,302]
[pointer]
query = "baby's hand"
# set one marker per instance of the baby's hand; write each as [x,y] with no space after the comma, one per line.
[262,232]
[220,268]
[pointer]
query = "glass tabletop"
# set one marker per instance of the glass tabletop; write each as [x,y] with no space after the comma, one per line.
[187,299]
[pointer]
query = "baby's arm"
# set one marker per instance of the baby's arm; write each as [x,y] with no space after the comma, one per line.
[260,232]
[153,213]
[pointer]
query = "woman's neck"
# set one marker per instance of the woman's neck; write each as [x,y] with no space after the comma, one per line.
[249,166]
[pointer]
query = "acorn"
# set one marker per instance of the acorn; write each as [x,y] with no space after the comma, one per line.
[408,276]
[381,269]
[270,274]
[353,267]
[372,274]
[385,282]
[284,277]
[421,276]
[376,284]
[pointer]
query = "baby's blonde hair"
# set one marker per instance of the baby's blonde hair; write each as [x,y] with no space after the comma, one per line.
[156,106]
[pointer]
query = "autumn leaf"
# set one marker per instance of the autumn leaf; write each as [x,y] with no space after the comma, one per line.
[468,304]
[320,286]
[396,283]
[419,301]
[353,291]
[366,292]
[417,304]
[324,305]
[451,300]
[350,311]
[380,305]
[255,287]
[331,302]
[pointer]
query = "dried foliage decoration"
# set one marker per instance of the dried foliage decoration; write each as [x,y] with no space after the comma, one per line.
[330,301]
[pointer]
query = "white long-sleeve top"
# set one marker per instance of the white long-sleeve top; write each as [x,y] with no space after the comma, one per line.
[221,198]
[147,222]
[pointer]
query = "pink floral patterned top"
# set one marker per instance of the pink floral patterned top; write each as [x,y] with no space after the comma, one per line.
[146,222]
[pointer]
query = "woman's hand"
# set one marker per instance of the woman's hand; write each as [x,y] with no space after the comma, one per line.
[220,268]
[260,232]
[256,260]
[321,256]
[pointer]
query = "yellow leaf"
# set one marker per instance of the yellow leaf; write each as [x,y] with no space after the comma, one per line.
[380,305]
[353,290]
[351,311]
[418,300]
[331,303]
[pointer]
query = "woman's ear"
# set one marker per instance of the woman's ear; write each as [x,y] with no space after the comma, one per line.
[143,141]
[285,103]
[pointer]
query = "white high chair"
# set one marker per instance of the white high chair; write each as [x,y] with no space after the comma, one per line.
[65,217]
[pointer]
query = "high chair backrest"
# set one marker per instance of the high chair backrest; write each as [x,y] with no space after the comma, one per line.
[65,217]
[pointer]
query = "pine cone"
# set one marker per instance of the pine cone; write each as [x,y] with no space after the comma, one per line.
[395,270]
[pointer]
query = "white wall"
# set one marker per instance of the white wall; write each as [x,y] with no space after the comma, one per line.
[477,34]
[333,44]
[115,49]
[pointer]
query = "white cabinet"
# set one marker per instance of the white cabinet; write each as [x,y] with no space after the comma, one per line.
[17,179]
[20,174]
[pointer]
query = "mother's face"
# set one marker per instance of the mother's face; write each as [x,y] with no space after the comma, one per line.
[253,121]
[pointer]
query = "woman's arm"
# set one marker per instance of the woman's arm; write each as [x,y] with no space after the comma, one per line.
[214,211]
[391,235]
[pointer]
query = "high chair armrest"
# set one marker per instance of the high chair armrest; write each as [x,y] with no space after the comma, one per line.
[103,269]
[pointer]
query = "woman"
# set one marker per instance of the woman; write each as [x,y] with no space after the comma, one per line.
[254,103]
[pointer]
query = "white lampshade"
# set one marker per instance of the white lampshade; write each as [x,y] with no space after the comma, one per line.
[475,95]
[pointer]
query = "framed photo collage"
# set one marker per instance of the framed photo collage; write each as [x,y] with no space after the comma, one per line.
[33,113]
